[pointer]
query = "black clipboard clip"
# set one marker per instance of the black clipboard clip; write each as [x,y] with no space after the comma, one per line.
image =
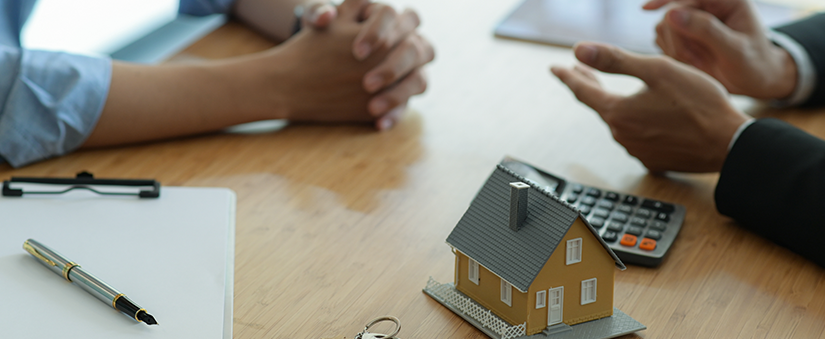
[84,180]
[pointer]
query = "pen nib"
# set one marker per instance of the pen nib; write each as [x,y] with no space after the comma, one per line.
[147,318]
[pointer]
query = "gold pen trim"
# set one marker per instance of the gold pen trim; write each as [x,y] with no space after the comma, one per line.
[29,248]
[68,268]
[114,301]
[136,313]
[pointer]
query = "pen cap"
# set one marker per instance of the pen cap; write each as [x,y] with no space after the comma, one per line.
[51,259]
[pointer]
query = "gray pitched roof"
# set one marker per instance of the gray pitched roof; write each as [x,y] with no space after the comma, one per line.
[517,257]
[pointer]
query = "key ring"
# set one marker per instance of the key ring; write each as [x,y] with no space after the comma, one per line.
[386,318]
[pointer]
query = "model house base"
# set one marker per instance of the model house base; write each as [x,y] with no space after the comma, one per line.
[609,327]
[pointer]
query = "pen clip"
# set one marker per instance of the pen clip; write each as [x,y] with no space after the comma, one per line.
[37,254]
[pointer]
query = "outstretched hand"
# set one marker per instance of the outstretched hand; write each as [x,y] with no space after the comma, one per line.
[682,120]
[725,39]
[400,75]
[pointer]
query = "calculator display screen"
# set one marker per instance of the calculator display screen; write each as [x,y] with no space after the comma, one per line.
[530,173]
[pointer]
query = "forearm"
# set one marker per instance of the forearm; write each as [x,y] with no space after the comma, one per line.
[157,102]
[772,184]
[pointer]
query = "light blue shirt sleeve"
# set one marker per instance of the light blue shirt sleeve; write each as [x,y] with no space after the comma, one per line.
[49,101]
[204,7]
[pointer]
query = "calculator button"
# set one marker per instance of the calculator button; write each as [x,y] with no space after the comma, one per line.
[612,196]
[638,221]
[643,213]
[658,205]
[577,188]
[589,201]
[571,198]
[658,225]
[625,208]
[615,226]
[594,192]
[584,209]
[647,244]
[597,223]
[609,236]
[606,204]
[619,216]
[635,230]
[663,217]
[601,213]
[630,200]
[628,240]
[653,234]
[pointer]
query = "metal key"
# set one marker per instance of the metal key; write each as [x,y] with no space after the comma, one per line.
[365,334]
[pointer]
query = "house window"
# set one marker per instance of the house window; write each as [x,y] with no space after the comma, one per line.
[473,271]
[588,291]
[541,299]
[574,251]
[506,293]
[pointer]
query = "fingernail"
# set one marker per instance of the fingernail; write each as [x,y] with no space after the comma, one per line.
[378,106]
[680,17]
[587,54]
[362,51]
[384,124]
[317,12]
[373,83]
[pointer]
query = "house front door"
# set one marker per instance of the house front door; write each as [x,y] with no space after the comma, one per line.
[555,300]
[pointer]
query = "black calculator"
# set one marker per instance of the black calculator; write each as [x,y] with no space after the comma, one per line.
[639,230]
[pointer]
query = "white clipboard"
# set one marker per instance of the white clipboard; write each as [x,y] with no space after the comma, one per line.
[173,255]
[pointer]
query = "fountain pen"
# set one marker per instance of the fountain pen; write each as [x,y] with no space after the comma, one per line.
[74,273]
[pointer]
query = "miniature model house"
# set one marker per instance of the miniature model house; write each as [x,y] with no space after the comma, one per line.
[531,258]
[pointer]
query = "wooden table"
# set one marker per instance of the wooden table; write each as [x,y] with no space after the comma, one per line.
[340,224]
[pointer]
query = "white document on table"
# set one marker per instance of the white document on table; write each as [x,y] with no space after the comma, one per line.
[173,256]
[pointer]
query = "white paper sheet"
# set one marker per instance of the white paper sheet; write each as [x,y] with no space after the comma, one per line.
[174,256]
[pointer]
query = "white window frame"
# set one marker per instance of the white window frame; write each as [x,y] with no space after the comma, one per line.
[506,293]
[588,291]
[472,269]
[541,299]
[574,251]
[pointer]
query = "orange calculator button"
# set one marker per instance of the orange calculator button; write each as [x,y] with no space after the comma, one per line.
[628,240]
[648,244]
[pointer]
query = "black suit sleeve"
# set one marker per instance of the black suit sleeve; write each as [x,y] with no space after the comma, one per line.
[773,183]
[810,34]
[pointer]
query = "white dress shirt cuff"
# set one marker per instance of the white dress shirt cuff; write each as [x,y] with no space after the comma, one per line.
[739,131]
[805,72]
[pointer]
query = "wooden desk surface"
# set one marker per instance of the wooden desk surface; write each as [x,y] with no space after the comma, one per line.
[340,224]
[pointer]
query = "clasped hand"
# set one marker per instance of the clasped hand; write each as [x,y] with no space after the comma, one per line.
[386,58]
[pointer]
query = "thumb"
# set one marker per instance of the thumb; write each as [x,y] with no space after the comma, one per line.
[703,27]
[611,59]
[319,15]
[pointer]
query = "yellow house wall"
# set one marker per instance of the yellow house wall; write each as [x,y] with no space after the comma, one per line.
[488,292]
[595,263]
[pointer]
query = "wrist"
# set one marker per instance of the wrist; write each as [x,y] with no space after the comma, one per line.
[256,85]
[728,129]
[787,77]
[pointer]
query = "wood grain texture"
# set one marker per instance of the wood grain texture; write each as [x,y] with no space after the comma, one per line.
[339,224]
